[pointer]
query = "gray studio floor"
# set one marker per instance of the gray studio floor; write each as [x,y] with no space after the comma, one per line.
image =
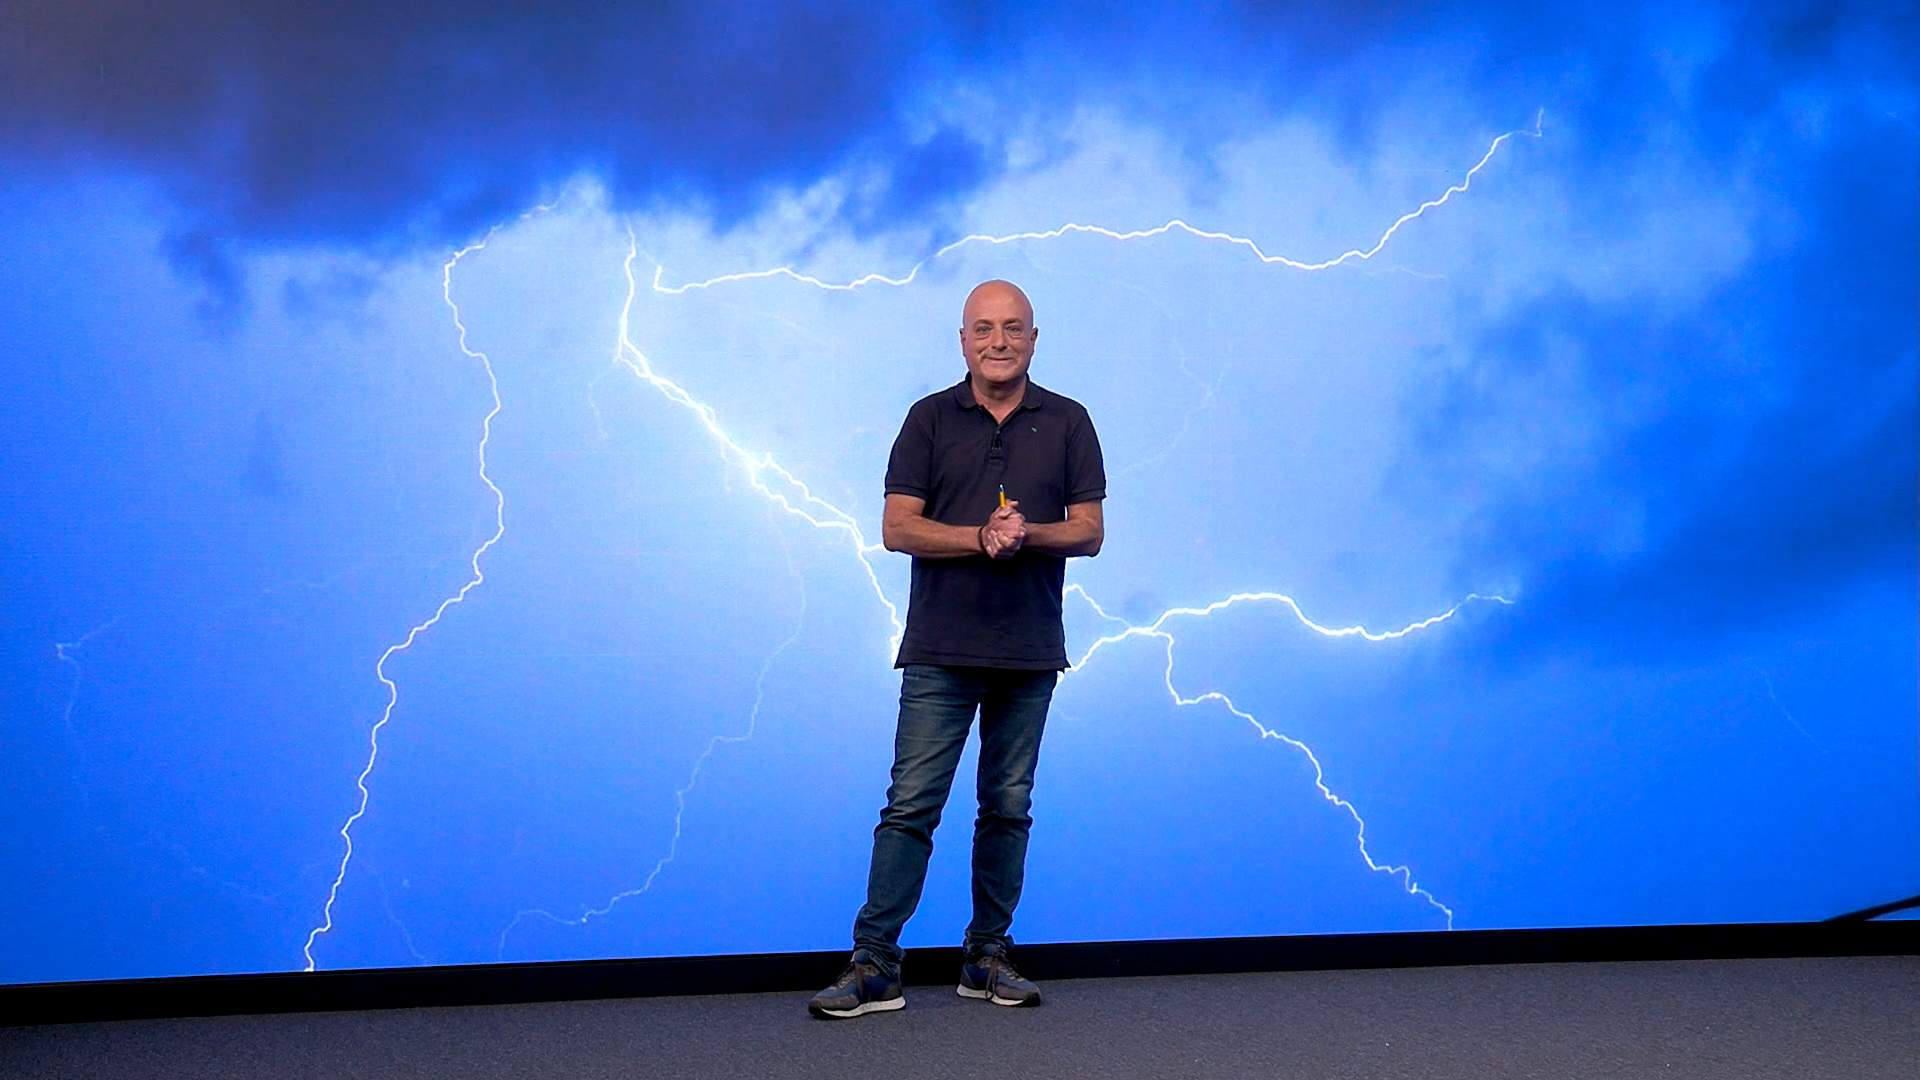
[1857,1019]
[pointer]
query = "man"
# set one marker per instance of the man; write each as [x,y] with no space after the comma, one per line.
[991,485]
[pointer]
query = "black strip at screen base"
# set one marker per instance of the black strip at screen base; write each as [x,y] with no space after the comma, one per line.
[493,984]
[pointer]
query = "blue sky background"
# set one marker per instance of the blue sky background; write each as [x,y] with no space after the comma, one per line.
[1652,377]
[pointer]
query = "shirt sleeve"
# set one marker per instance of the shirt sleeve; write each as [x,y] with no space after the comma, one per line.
[910,465]
[1086,471]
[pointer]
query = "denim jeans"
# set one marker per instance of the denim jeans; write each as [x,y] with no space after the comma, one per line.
[937,705]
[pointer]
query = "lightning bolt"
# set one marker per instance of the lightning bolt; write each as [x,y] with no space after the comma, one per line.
[1207,393]
[64,650]
[406,935]
[794,497]
[693,778]
[1174,225]
[797,498]
[1785,712]
[479,576]
[1157,630]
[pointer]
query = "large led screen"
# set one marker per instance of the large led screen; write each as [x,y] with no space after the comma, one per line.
[442,448]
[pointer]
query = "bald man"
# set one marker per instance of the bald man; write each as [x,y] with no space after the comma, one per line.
[983,634]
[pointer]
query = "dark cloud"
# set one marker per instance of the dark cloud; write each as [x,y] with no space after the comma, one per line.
[199,255]
[362,123]
[923,177]
[1780,534]
[371,123]
[384,127]
[1781,465]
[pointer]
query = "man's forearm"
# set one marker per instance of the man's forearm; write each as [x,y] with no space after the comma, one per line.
[925,538]
[1070,537]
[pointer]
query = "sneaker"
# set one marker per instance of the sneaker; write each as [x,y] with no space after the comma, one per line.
[988,974]
[862,988]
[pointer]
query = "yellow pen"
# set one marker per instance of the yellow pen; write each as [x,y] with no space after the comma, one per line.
[1003,496]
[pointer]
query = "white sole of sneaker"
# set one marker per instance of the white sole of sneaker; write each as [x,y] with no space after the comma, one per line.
[864,1008]
[966,991]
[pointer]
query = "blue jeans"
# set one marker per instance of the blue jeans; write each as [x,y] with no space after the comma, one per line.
[936,712]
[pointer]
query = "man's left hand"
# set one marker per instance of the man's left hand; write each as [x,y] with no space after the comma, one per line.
[1005,531]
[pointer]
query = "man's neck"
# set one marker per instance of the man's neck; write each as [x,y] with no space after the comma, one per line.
[998,400]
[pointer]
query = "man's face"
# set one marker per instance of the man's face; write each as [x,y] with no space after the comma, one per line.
[997,333]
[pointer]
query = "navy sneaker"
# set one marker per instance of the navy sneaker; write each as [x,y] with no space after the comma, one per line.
[862,988]
[988,974]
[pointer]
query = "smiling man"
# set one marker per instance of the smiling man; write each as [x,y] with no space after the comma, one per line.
[992,484]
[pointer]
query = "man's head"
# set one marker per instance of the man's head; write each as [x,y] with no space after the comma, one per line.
[997,333]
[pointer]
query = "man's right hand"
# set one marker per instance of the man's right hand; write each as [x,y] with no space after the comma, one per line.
[1005,531]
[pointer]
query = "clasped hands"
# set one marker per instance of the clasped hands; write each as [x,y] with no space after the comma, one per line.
[1004,531]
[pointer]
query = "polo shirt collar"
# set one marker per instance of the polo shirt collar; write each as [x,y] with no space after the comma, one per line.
[1032,399]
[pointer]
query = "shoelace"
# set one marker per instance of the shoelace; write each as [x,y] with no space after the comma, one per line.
[995,963]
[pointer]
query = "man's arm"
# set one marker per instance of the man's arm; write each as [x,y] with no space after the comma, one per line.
[1080,534]
[904,526]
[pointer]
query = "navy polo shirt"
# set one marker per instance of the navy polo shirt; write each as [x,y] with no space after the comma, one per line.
[978,611]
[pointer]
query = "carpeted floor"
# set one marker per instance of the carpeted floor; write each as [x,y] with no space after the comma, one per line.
[1857,1019]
